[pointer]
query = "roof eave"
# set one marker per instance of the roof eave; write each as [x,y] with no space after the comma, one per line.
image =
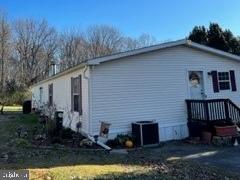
[136,52]
[185,42]
[163,46]
[212,50]
[61,74]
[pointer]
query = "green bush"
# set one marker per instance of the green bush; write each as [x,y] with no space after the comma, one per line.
[67,133]
[14,98]
[113,143]
[18,97]
[51,128]
[120,140]
[56,140]
[20,142]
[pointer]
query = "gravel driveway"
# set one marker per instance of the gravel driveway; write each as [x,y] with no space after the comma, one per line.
[224,157]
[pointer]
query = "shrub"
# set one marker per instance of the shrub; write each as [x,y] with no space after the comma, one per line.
[20,142]
[51,128]
[56,140]
[14,98]
[67,133]
[120,140]
[18,97]
[112,143]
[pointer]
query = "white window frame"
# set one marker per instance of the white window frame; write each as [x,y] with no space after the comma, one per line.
[76,93]
[228,80]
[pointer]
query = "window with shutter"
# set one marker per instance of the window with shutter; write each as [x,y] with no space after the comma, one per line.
[77,94]
[41,95]
[224,81]
[50,94]
[80,94]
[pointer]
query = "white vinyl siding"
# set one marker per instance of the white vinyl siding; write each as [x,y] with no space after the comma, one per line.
[153,86]
[62,98]
[149,86]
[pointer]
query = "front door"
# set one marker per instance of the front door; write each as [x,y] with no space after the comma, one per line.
[196,87]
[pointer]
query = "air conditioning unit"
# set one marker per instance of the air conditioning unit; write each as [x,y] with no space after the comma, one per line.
[145,133]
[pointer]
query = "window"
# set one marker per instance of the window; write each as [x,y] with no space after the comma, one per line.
[77,94]
[50,94]
[41,94]
[223,80]
[194,79]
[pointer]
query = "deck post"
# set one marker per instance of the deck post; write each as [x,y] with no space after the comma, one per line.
[206,110]
[189,110]
[226,109]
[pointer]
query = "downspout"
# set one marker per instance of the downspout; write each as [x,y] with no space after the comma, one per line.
[99,143]
[89,111]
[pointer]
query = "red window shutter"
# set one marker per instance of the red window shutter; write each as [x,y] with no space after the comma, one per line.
[215,81]
[80,95]
[233,81]
[72,108]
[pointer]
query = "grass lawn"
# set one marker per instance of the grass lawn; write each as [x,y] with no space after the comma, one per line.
[12,108]
[67,164]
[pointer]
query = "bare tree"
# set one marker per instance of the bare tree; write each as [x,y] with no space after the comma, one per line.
[11,66]
[28,47]
[72,49]
[50,47]
[103,40]
[96,41]
[143,40]
[35,45]
[129,44]
[76,46]
[5,35]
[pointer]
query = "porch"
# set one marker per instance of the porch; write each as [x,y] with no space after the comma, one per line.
[219,117]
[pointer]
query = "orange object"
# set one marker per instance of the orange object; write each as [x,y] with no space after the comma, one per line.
[129,144]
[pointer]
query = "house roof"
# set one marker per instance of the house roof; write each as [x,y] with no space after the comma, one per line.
[185,42]
[163,46]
